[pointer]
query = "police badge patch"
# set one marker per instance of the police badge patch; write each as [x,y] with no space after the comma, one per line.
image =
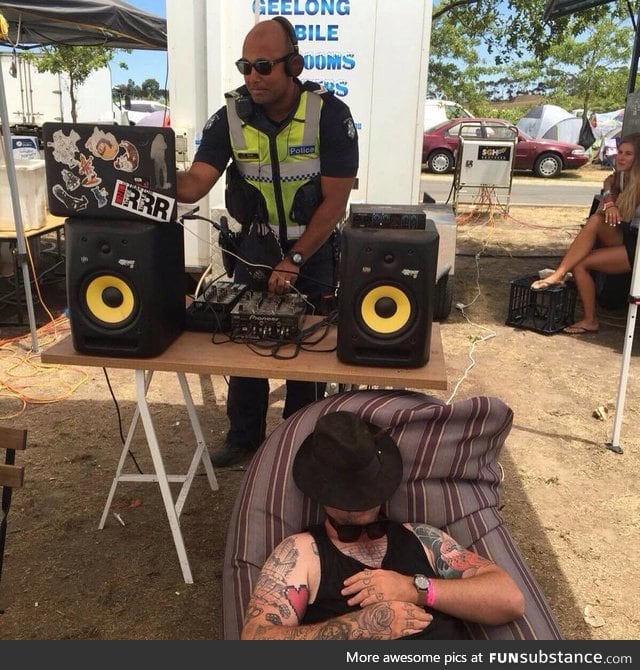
[212,119]
[350,128]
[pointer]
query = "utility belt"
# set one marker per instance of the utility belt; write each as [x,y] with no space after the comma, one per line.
[246,204]
[258,243]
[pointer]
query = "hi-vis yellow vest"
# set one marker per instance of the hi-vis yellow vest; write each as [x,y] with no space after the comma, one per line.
[279,164]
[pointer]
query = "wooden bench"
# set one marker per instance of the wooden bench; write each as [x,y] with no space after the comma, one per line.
[11,476]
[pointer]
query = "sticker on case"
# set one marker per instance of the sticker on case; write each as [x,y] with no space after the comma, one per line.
[128,159]
[102,145]
[138,200]
[68,200]
[65,147]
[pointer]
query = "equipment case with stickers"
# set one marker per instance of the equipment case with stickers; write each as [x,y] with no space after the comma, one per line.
[102,171]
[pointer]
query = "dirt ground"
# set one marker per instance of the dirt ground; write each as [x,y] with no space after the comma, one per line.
[571,504]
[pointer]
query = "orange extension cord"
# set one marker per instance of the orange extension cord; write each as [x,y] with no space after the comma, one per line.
[24,379]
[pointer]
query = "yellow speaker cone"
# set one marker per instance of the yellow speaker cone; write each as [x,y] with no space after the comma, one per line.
[374,316]
[110,299]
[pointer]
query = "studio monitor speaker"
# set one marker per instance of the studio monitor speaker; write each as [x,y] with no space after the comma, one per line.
[385,296]
[125,286]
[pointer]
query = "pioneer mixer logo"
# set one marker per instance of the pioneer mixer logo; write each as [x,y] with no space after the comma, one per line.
[142,201]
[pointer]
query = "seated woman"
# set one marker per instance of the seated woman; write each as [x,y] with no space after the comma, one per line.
[611,226]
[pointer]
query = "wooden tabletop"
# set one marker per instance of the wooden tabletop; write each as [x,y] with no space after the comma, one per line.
[195,353]
[51,223]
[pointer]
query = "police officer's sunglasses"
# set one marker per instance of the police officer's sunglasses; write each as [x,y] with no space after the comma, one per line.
[262,66]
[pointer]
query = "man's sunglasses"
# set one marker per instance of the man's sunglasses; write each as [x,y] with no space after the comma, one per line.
[262,66]
[352,532]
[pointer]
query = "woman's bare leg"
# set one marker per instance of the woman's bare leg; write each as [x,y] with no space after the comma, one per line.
[594,229]
[611,260]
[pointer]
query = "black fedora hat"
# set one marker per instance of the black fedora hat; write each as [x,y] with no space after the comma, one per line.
[348,463]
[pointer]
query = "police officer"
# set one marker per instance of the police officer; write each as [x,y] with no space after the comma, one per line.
[293,149]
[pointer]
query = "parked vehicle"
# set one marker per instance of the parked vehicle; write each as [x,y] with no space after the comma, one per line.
[438,111]
[546,158]
[159,119]
[138,109]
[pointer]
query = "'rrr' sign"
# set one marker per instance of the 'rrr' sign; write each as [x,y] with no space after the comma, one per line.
[142,201]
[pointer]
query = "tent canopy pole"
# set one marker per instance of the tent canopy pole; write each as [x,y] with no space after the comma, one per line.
[17,214]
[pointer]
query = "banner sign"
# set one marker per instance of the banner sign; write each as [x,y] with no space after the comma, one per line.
[334,38]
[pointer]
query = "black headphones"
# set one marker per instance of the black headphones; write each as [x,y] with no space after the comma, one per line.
[294,65]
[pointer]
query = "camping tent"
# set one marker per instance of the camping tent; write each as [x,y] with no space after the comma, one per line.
[566,130]
[539,119]
[33,23]
[610,120]
[555,123]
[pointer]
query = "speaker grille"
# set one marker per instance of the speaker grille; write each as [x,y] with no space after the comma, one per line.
[110,301]
[125,285]
[385,295]
[385,310]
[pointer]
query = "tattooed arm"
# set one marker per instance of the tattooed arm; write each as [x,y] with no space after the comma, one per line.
[290,577]
[471,587]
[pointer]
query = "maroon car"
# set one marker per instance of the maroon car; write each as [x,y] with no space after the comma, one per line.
[546,158]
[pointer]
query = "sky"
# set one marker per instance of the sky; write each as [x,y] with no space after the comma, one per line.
[142,64]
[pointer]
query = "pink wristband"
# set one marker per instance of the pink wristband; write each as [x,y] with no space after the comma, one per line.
[431,594]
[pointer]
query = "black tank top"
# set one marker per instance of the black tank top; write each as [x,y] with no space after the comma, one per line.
[405,555]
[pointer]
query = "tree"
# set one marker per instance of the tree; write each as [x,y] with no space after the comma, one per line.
[522,51]
[75,62]
[588,69]
[510,29]
[148,90]
[128,90]
[590,73]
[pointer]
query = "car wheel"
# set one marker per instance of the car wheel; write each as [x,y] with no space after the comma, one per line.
[548,166]
[440,161]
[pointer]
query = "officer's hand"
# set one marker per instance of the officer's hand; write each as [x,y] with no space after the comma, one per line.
[284,275]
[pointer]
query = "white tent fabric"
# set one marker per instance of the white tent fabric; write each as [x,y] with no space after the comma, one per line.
[74,22]
[609,121]
[565,130]
[537,121]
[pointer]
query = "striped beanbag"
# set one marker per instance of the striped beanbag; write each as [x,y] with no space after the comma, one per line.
[451,480]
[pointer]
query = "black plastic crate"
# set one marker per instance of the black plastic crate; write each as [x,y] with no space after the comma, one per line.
[545,311]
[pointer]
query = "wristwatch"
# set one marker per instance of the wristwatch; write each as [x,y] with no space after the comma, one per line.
[296,258]
[422,584]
